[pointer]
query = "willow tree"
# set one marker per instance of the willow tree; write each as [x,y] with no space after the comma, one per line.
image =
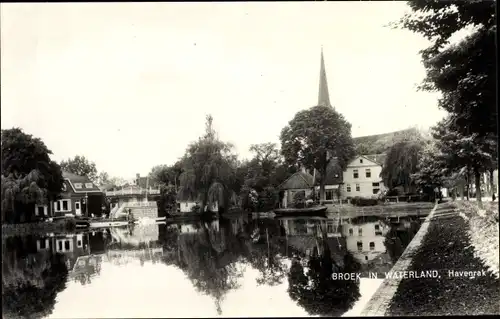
[29,176]
[400,163]
[314,137]
[209,169]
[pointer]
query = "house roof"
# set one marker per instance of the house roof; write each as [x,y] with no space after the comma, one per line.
[380,143]
[299,180]
[377,158]
[74,178]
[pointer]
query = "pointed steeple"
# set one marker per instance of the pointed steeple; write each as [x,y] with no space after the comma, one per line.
[323,95]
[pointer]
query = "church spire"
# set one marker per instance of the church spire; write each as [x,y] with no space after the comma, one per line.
[323,95]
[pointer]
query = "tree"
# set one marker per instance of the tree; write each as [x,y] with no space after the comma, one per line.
[314,137]
[316,291]
[167,175]
[471,153]
[79,165]
[401,162]
[29,176]
[209,168]
[465,73]
[103,179]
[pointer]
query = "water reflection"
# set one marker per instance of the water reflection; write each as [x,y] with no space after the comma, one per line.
[220,266]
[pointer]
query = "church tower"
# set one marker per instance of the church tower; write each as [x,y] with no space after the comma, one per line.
[323,95]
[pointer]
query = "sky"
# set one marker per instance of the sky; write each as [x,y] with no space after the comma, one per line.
[128,85]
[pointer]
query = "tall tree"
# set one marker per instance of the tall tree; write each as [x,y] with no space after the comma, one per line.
[314,137]
[465,73]
[79,165]
[209,168]
[29,176]
[401,162]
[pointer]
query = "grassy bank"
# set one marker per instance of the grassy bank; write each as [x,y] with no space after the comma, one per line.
[447,246]
[60,226]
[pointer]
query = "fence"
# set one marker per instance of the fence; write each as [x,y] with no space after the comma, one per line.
[133,191]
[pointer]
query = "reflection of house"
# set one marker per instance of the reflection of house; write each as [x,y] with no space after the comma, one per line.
[85,267]
[362,177]
[365,241]
[80,197]
[71,246]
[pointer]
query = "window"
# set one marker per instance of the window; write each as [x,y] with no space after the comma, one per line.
[366,257]
[77,205]
[62,205]
[360,245]
[40,211]
[375,184]
[78,185]
[59,245]
[89,185]
[66,245]
[355,173]
[329,194]
[348,188]
[64,188]
[361,160]
[376,188]
[377,227]
[360,231]
[43,244]
[79,242]
[372,245]
[351,232]
[357,188]
[329,228]
[368,173]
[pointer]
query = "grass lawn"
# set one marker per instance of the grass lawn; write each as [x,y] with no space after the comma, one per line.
[446,247]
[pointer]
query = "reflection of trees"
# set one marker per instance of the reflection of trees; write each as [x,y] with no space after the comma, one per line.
[265,255]
[31,282]
[316,291]
[207,263]
[396,240]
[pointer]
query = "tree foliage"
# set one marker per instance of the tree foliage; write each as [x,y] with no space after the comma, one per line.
[401,162]
[29,176]
[316,291]
[465,74]
[79,165]
[208,169]
[314,137]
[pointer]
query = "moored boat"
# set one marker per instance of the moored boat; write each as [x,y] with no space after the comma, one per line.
[306,211]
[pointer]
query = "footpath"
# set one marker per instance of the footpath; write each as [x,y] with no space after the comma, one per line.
[456,248]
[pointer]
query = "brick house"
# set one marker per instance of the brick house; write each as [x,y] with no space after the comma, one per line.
[79,197]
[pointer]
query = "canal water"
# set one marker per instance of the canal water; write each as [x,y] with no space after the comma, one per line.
[239,266]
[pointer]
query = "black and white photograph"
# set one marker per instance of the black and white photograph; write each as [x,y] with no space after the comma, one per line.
[249,159]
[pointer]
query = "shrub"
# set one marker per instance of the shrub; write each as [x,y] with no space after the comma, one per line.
[299,200]
[196,208]
[361,201]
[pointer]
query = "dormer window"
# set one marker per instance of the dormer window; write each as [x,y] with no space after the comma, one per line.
[89,185]
[78,185]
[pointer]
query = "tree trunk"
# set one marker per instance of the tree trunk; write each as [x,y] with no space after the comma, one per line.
[467,183]
[477,176]
[492,185]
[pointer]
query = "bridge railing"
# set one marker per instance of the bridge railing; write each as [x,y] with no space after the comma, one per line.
[133,191]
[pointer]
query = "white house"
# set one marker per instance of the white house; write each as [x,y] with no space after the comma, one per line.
[186,202]
[365,241]
[362,177]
